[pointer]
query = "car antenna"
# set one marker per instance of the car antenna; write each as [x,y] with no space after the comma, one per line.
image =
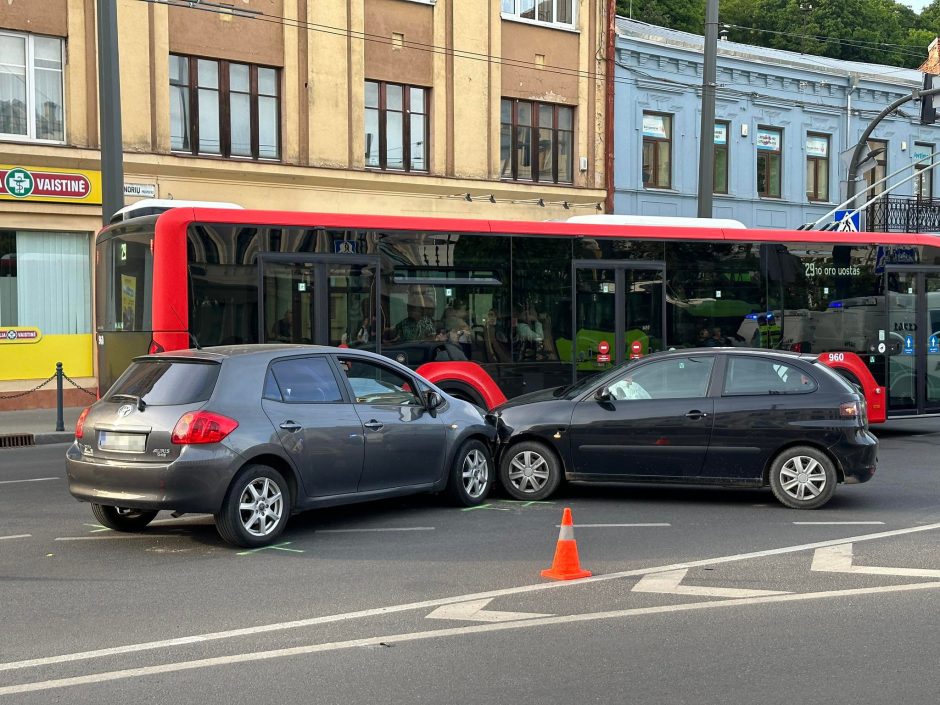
[192,337]
[194,341]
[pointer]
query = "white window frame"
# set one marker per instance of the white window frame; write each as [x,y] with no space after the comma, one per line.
[515,16]
[30,135]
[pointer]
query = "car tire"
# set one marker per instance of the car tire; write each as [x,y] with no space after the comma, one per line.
[121,519]
[803,478]
[530,471]
[471,474]
[240,521]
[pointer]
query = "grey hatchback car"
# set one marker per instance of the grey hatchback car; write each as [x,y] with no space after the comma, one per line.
[254,433]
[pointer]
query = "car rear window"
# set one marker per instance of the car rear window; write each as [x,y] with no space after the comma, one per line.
[167,382]
[758,375]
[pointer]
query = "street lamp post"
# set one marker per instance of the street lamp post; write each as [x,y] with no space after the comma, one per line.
[706,157]
[109,111]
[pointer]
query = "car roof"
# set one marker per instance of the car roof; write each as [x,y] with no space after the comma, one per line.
[264,351]
[730,350]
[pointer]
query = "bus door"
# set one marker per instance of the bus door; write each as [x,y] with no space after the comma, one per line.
[320,300]
[619,310]
[913,338]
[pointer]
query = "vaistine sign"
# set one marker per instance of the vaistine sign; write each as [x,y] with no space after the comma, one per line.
[29,183]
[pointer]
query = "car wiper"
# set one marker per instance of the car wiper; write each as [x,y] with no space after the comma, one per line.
[141,404]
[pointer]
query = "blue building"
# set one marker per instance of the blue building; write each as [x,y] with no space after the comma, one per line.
[782,121]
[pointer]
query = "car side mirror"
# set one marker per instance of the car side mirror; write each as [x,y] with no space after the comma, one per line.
[603,394]
[433,400]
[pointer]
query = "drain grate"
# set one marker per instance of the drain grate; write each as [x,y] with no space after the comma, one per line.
[17,440]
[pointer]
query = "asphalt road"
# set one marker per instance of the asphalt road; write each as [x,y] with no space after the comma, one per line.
[698,596]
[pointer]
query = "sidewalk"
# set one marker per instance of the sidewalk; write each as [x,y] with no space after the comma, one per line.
[40,424]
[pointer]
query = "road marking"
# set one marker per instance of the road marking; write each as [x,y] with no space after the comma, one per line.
[838,559]
[838,523]
[273,547]
[98,528]
[485,506]
[474,612]
[182,520]
[443,633]
[668,583]
[613,526]
[15,536]
[437,602]
[115,536]
[35,479]
[375,530]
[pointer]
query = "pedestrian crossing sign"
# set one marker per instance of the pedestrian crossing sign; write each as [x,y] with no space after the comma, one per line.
[847,221]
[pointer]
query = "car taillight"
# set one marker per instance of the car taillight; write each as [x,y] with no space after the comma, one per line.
[154,348]
[202,427]
[80,424]
[850,410]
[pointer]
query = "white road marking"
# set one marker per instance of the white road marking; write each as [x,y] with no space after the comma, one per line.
[15,536]
[442,633]
[612,526]
[838,523]
[668,583]
[35,479]
[838,559]
[183,519]
[474,612]
[375,530]
[113,537]
[437,602]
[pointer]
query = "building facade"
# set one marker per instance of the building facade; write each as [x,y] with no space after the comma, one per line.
[485,109]
[782,121]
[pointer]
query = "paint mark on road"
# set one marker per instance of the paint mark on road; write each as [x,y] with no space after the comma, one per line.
[273,547]
[614,526]
[838,523]
[15,536]
[375,530]
[35,479]
[116,536]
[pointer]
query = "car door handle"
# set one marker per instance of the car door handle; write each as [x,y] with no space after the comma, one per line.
[291,426]
[695,415]
[374,425]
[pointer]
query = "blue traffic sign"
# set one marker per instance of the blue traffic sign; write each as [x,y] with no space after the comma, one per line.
[847,221]
[933,345]
[908,345]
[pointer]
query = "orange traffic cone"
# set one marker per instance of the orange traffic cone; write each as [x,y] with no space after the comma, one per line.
[566,565]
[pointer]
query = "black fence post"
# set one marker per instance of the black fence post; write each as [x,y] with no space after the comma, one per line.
[59,420]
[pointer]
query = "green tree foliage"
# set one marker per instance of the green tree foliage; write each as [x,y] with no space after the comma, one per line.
[873,31]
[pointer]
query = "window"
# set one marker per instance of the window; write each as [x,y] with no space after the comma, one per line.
[165,383]
[722,130]
[557,12]
[923,181]
[396,126]
[31,89]
[377,384]
[817,167]
[307,379]
[769,162]
[676,378]
[755,375]
[224,108]
[657,150]
[878,148]
[536,141]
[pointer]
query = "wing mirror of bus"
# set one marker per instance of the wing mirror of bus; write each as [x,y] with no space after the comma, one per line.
[603,394]
[433,400]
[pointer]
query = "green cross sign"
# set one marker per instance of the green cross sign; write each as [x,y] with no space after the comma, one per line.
[19,182]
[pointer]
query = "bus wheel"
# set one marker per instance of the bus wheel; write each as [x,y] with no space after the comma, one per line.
[121,519]
[529,471]
[803,478]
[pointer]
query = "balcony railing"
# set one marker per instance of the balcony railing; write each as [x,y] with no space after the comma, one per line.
[898,214]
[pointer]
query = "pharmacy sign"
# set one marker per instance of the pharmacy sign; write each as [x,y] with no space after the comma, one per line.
[23,183]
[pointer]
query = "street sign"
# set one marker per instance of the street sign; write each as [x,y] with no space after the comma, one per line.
[848,221]
[636,350]
[908,345]
[603,347]
[602,358]
[933,345]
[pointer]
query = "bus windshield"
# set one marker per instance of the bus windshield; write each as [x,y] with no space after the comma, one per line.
[124,277]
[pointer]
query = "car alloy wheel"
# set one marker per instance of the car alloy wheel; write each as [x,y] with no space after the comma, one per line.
[475,474]
[261,506]
[529,472]
[803,478]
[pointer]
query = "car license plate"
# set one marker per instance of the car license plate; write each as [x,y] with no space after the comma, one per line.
[126,442]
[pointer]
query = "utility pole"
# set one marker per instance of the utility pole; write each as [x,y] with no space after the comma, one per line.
[109,111]
[706,157]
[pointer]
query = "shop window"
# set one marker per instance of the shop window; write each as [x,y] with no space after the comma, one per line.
[657,150]
[923,181]
[552,12]
[224,108]
[45,281]
[536,141]
[769,162]
[817,167]
[32,106]
[722,130]
[396,125]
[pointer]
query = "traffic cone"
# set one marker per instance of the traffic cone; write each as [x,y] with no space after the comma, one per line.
[566,565]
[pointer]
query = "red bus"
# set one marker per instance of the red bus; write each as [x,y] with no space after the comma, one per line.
[494,309]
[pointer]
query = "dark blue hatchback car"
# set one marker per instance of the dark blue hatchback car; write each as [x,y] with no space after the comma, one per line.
[722,416]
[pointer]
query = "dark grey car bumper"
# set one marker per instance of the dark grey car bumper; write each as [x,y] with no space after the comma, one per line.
[194,482]
[857,453]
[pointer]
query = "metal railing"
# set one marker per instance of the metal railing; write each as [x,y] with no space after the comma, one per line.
[899,214]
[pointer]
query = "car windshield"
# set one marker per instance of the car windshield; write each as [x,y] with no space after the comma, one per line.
[166,382]
[585,383]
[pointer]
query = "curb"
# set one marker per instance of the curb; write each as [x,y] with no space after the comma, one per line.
[44,439]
